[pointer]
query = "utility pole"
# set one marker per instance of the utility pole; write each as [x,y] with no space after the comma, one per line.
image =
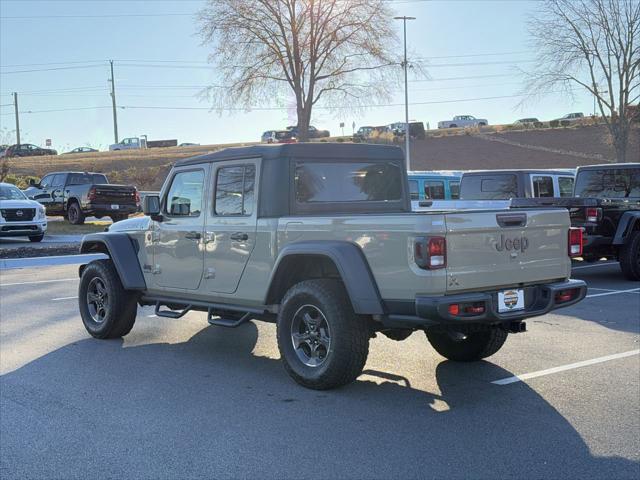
[113,103]
[15,105]
[406,92]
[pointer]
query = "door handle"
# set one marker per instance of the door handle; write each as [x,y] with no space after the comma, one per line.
[239,236]
[193,235]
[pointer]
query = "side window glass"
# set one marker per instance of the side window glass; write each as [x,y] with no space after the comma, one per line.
[235,190]
[184,198]
[434,190]
[58,180]
[565,184]
[454,188]
[46,181]
[413,190]
[542,186]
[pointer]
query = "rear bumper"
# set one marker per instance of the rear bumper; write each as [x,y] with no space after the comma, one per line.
[539,300]
[106,208]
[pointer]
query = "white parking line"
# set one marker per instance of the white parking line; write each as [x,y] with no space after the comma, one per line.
[616,292]
[549,371]
[594,265]
[63,298]
[39,281]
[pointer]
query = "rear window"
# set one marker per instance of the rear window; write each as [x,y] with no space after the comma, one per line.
[609,183]
[488,187]
[454,188]
[84,178]
[542,186]
[434,190]
[565,184]
[346,181]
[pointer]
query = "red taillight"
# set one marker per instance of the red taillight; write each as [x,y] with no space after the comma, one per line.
[92,194]
[575,242]
[137,195]
[593,215]
[430,252]
[566,295]
[454,309]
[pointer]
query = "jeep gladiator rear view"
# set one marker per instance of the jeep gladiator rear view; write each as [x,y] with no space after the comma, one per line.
[321,240]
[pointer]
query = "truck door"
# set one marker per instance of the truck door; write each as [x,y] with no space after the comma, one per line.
[178,247]
[230,233]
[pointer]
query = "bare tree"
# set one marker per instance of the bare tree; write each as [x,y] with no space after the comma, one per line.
[592,45]
[315,49]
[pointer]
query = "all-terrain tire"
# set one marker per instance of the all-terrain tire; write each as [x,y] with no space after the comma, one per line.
[74,214]
[477,345]
[121,305]
[349,334]
[630,257]
[36,238]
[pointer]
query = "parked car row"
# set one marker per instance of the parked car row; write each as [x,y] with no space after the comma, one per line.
[603,201]
[397,129]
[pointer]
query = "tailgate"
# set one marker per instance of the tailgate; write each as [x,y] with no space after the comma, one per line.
[117,194]
[486,250]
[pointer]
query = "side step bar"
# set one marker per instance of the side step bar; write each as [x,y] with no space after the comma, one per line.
[222,315]
[216,319]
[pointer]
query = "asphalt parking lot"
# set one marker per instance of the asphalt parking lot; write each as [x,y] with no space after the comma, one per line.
[182,399]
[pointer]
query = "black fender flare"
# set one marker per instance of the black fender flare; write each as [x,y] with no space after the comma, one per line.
[351,265]
[123,253]
[627,223]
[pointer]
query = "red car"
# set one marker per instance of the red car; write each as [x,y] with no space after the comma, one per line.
[28,150]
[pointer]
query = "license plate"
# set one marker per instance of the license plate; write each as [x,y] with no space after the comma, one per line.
[115,207]
[510,300]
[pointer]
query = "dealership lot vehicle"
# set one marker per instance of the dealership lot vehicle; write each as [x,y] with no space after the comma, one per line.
[19,216]
[506,184]
[460,121]
[28,150]
[81,150]
[434,185]
[607,208]
[319,258]
[76,195]
[63,392]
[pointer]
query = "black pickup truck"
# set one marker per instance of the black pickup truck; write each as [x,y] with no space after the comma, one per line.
[76,195]
[606,205]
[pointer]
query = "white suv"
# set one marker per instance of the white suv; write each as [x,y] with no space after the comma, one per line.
[19,216]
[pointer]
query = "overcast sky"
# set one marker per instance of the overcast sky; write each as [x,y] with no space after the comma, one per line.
[472,47]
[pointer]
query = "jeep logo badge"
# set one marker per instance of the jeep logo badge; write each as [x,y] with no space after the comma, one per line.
[512,244]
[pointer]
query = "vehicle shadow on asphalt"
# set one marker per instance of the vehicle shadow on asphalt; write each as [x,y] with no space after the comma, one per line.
[617,312]
[208,407]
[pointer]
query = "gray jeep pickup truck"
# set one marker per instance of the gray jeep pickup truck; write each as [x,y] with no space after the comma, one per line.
[321,240]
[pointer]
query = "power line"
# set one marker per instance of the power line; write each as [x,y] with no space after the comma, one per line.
[53,68]
[117,15]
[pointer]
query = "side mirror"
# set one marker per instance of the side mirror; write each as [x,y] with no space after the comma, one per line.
[151,207]
[32,182]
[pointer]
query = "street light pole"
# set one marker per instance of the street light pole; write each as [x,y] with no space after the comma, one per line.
[406,91]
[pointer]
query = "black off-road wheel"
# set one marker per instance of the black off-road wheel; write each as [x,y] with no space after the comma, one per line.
[322,342]
[106,308]
[74,214]
[470,346]
[630,257]
[36,238]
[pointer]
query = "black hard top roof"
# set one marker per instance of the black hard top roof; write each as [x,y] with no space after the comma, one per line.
[300,150]
[607,166]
